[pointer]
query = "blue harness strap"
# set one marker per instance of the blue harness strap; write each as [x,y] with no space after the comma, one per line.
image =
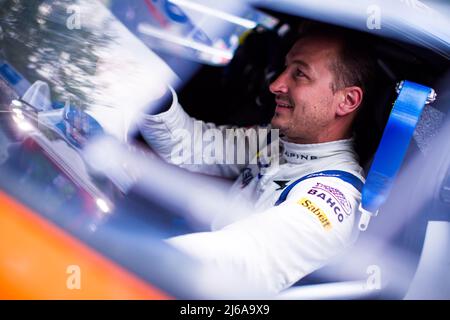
[394,143]
[343,175]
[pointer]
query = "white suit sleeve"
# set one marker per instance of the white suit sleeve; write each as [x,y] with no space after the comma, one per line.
[198,146]
[279,246]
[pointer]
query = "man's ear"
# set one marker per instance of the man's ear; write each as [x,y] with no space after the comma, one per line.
[350,100]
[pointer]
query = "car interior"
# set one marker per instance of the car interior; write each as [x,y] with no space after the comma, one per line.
[238,94]
[206,96]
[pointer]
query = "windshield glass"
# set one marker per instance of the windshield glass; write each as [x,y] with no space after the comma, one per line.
[87,58]
[72,72]
[75,73]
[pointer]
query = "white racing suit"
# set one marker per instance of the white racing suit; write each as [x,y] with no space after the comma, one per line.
[274,245]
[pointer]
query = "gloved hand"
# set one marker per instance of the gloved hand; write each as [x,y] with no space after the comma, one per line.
[38,96]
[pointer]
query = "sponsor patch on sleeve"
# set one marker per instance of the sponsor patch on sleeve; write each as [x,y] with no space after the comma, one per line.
[319,213]
[333,198]
[338,195]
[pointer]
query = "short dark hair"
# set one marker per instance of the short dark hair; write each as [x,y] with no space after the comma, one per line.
[355,65]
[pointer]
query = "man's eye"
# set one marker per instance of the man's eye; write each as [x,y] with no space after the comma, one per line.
[299,73]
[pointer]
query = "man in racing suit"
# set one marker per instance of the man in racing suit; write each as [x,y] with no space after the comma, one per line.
[304,207]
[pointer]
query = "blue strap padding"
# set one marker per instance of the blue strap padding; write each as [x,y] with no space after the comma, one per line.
[345,176]
[394,144]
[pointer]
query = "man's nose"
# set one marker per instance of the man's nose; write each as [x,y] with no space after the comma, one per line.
[279,84]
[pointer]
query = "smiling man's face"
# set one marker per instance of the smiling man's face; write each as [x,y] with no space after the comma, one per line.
[306,103]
